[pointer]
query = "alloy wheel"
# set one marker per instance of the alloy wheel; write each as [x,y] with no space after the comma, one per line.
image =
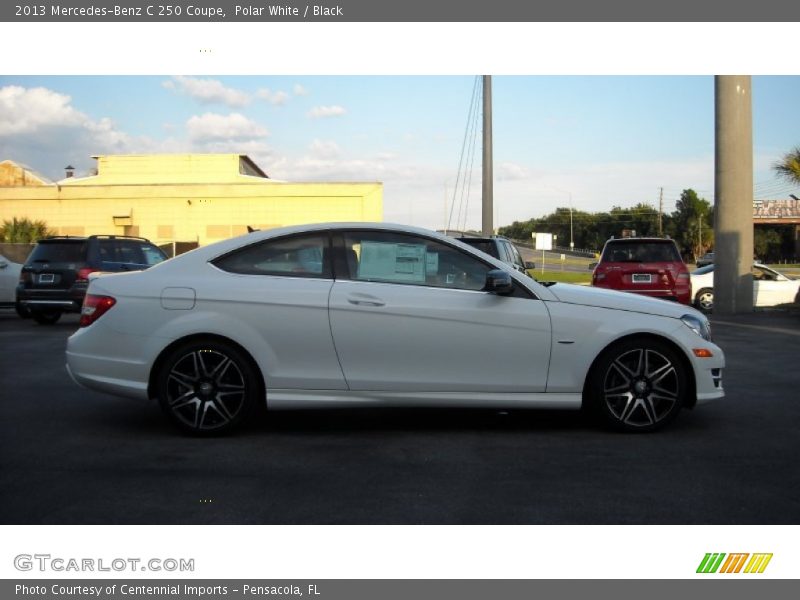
[205,390]
[641,388]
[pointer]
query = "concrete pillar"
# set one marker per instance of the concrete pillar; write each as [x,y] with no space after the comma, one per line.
[733,216]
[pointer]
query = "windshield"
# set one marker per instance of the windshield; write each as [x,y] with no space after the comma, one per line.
[641,252]
[486,246]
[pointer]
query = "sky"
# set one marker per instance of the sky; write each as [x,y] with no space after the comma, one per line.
[591,142]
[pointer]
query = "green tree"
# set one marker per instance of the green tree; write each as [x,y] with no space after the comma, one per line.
[789,166]
[767,243]
[691,225]
[23,231]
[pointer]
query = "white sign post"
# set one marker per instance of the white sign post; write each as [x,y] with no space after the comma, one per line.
[543,241]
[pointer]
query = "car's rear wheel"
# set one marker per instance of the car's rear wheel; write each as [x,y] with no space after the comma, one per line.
[704,300]
[46,317]
[639,385]
[207,387]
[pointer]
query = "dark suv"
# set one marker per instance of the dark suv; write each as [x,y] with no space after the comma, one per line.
[55,276]
[501,248]
[648,266]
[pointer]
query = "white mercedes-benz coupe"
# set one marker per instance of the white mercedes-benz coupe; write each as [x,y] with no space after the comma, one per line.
[359,314]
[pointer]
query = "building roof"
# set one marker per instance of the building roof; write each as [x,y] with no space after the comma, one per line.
[13,173]
[137,169]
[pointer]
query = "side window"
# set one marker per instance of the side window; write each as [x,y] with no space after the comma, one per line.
[152,255]
[129,252]
[516,258]
[295,256]
[763,275]
[407,259]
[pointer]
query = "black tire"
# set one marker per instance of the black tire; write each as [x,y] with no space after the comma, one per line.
[46,317]
[208,387]
[704,300]
[22,311]
[638,385]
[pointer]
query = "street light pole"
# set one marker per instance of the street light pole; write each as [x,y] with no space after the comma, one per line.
[571,239]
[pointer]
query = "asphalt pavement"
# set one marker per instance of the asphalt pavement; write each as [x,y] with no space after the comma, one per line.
[71,456]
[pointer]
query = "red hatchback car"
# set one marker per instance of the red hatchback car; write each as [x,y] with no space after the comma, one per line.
[647,266]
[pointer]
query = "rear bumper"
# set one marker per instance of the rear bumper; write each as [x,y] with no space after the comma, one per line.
[70,300]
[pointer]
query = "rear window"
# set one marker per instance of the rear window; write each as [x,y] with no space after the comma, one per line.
[57,252]
[483,245]
[130,252]
[641,252]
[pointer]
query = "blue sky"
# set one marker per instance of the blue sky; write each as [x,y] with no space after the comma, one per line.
[595,140]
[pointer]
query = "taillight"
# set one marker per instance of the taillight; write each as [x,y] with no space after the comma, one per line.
[25,277]
[95,307]
[83,274]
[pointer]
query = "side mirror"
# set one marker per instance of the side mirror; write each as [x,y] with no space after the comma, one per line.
[3,264]
[592,266]
[530,265]
[498,282]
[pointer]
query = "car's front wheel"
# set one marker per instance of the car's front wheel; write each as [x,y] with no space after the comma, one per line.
[46,317]
[639,385]
[704,300]
[207,387]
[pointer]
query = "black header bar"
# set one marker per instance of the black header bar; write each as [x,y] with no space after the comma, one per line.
[464,11]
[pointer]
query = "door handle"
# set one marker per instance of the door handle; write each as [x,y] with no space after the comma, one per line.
[365,301]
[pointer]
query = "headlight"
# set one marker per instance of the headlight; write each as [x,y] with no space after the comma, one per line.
[700,326]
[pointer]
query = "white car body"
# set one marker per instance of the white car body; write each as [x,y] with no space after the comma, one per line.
[770,287]
[342,342]
[9,278]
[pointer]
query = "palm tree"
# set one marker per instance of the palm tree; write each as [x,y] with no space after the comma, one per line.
[789,166]
[23,231]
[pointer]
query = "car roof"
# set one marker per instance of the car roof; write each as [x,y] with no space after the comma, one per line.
[639,239]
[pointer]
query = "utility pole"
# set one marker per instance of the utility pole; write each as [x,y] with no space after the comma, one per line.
[660,212]
[487,227]
[733,222]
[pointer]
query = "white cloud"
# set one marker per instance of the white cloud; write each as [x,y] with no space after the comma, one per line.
[28,110]
[324,149]
[299,90]
[278,98]
[511,171]
[215,127]
[208,91]
[320,112]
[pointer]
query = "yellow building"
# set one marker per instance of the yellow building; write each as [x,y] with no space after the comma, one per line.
[167,198]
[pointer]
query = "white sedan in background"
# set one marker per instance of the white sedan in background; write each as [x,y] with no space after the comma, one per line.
[770,288]
[375,314]
[9,278]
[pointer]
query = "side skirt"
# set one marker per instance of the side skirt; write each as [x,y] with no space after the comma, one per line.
[294,399]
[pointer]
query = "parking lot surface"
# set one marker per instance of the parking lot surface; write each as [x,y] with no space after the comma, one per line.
[71,456]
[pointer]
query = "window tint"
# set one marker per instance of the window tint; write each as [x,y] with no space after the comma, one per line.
[407,259]
[59,252]
[638,251]
[297,256]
